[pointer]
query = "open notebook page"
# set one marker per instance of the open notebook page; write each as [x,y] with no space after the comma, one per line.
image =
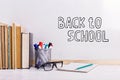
[78,67]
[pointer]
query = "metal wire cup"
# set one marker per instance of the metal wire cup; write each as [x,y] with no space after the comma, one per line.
[42,56]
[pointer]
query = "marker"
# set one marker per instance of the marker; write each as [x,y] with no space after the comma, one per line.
[50,44]
[81,67]
[46,45]
[36,46]
[41,45]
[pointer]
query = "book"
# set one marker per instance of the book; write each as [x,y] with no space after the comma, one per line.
[6,46]
[13,45]
[3,46]
[16,47]
[0,47]
[31,51]
[25,50]
[18,54]
[9,47]
[78,67]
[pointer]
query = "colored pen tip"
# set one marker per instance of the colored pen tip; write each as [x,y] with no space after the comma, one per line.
[35,46]
[50,44]
[40,43]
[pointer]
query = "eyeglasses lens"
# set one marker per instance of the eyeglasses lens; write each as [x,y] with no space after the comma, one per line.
[48,67]
[59,65]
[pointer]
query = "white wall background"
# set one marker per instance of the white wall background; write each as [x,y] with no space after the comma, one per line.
[40,17]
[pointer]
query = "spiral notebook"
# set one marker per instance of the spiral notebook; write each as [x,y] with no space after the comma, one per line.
[78,67]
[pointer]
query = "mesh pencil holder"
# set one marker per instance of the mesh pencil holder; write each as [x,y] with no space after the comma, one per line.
[42,56]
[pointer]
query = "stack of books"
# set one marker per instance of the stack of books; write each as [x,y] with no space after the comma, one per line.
[16,47]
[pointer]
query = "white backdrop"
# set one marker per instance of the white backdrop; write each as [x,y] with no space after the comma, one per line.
[41,18]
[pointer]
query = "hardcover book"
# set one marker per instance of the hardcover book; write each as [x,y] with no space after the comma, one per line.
[25,50]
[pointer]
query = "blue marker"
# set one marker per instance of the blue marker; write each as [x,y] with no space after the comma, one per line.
[46,45]
[36,46]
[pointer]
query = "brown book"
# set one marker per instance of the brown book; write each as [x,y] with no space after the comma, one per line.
[0,47]
[6,47]
[18,48]
[3,46]
[13,45]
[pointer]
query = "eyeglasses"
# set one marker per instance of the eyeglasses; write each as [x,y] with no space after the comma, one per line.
[50,65]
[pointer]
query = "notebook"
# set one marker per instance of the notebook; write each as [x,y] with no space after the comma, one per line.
[78,67]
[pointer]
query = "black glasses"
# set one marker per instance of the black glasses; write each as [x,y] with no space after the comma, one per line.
[50,65]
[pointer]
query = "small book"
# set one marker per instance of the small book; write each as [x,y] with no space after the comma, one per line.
[78,67]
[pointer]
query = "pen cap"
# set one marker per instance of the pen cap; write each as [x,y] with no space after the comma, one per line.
[50,44]
[35,46]
[46,46]
[41,44]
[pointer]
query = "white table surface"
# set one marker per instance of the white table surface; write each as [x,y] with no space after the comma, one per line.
[101,72]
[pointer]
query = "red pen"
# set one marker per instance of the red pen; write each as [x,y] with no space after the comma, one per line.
[41,45]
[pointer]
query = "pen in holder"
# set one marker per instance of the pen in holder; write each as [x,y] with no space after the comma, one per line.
[42,56]
[42,53]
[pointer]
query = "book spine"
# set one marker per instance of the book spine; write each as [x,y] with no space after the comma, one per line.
[18,47]
[25,50]
[6,47]
[9,47]
[0,47]
[13,46]
[3,47]
[31,53]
